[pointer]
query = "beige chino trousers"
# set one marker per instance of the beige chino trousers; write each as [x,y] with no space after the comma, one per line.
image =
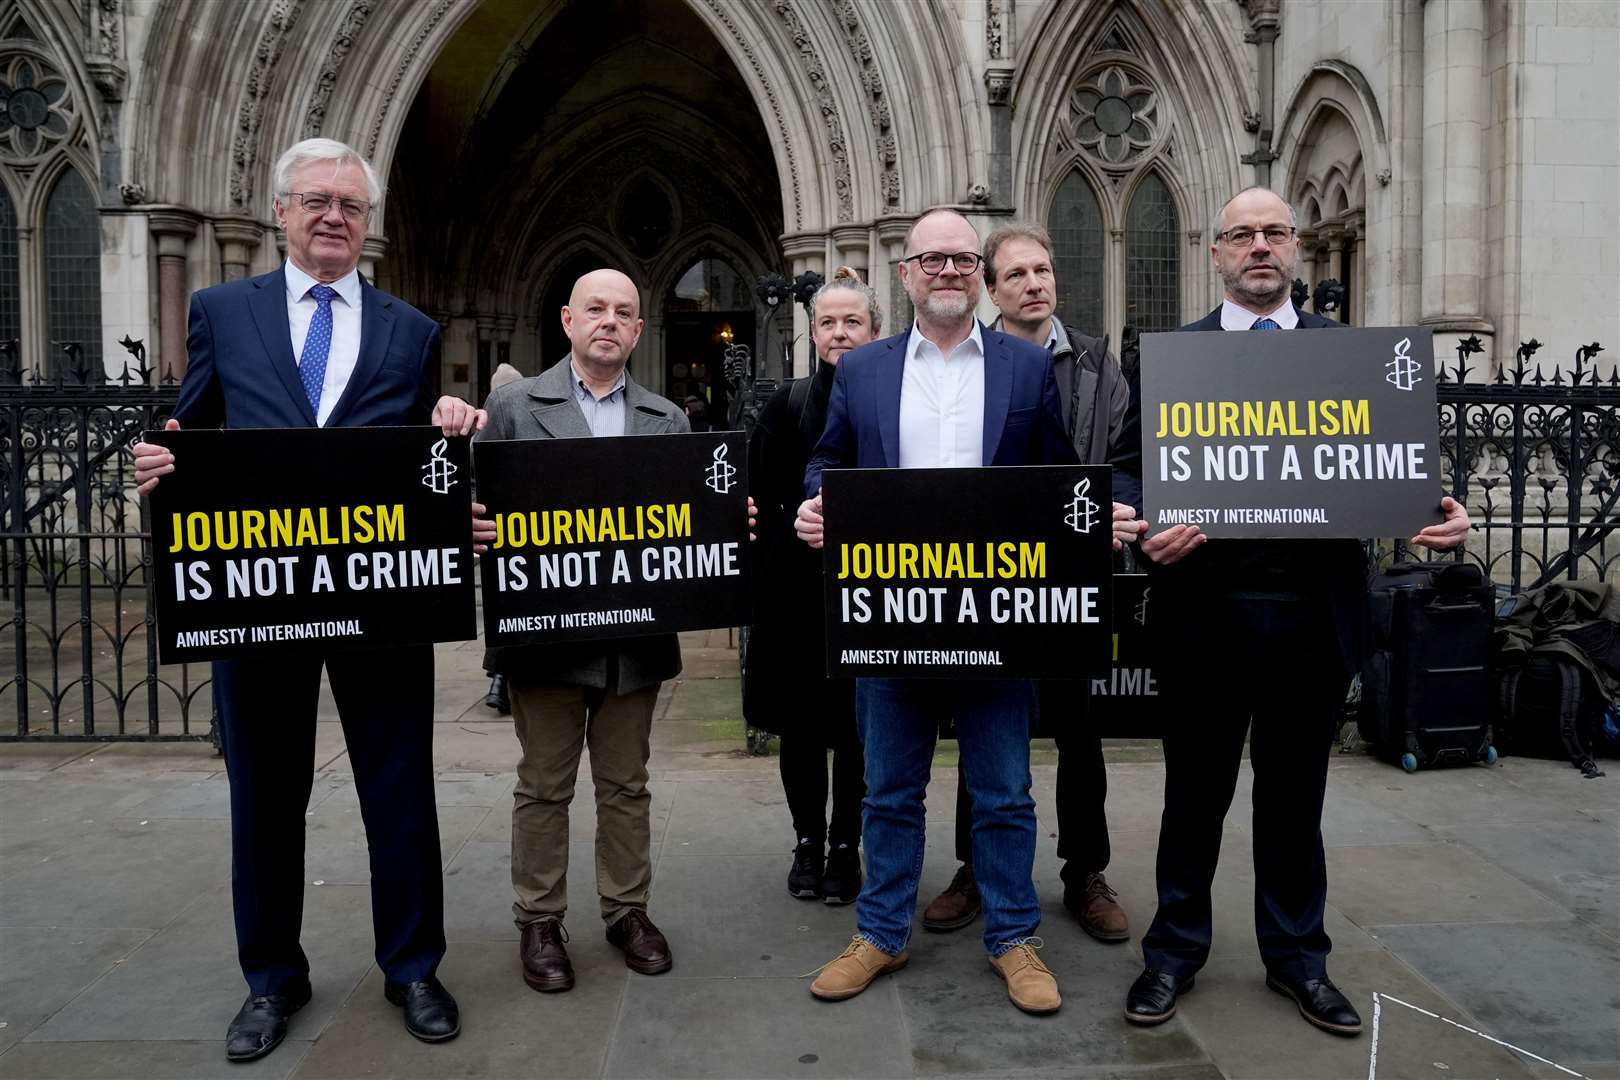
[555,722]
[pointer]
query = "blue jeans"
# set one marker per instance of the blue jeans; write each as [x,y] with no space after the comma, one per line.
[899,723]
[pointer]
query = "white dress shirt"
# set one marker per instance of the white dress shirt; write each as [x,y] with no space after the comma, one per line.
[345,349]
[942,404]
[1234,317]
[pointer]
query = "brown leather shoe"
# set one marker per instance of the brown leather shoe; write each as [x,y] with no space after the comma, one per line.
[1097,908]
[546,966]
[853,970]
[645,949]
[1030,983]
[957,906]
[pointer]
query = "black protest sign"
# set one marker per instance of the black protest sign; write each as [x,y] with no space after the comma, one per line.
[311,540]
[1315,433]
[1125,703]
[614,537]
[968,573]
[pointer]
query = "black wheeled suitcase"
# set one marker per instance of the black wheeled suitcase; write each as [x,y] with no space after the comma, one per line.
[1426,689]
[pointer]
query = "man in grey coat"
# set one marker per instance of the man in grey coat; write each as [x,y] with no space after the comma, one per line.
[596,694]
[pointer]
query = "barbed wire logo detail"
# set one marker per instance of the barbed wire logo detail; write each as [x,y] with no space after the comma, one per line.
[1403,369]
[1082,515]
[718,477]
[440,471]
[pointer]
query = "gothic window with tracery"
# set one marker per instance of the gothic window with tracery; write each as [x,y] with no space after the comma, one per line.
[36,110]
[1076,226]
[1152,258]
[1115,115]
[73,269]
[10,287]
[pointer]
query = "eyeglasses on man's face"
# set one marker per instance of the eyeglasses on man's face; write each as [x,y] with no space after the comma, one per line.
[1242,236]
[315,202]
[933,262]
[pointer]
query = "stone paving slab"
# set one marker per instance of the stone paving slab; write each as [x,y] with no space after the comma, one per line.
[1485,895]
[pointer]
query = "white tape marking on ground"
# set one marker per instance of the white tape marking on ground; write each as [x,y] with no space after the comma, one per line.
[1460,1027]
[1372,1056]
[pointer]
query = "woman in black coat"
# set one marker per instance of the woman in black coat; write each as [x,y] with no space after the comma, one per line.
[786,690]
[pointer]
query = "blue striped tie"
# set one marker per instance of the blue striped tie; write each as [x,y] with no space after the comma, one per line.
[1264,324]
[317,344]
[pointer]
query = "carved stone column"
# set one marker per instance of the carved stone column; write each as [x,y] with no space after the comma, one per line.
[1455,102]
[998,85]
[805,251]
[853,245]
[238,239]
[897,313]
[372,250]
[174,227]
[504,325]
[1265,22]
[485,353]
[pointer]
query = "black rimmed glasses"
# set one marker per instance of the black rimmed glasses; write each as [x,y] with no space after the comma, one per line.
[1242,237]
[933,262]
[316,202]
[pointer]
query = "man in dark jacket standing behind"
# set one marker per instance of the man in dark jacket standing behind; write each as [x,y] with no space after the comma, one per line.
[1096,400]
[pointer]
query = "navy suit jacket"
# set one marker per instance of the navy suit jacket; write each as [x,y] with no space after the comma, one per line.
[1341,565]
[241,372]
[1023,418]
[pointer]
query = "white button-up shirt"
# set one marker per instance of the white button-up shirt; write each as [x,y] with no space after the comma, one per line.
[344,352]
[942,404]
[1234,317]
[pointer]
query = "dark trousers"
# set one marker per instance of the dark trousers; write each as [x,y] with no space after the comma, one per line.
[1082,788]
[1271,669]
[803,761]
[267,727]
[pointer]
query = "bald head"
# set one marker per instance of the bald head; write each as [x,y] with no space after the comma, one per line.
[1258,267]
[603,323]
[955,223]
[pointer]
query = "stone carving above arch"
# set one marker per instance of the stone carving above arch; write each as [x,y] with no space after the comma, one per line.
[1114,115]
[424,30]
[826,104]
[877,103]
[718,8]
[41,113]
[354,20]
[250,110]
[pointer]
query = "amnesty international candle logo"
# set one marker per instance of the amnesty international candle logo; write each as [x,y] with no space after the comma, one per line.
[441,473]
[967,573]
[308,558]
[720,473]
[1403,370]
[1326,433]
[1082,513]
[613,537]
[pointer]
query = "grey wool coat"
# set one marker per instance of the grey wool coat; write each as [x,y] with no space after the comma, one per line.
[543,407]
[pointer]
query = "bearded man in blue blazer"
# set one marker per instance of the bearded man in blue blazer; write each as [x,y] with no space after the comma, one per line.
[313,344]
[948,393]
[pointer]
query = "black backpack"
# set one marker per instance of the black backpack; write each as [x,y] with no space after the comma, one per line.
[1551,706]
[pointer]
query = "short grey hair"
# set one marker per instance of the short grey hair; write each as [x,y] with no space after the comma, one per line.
[302,153]
[1215,222]
[846,278]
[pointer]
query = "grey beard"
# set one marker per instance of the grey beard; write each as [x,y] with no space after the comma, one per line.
[939,308]
[1245,295]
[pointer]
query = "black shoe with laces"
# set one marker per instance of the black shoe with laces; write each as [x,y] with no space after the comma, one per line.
[804,880]
[842,882]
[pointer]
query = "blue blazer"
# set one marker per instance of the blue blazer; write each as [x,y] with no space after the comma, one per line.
[1023,417]
[241,372]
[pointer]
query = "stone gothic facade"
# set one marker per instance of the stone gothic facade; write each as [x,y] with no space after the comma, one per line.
[1451,162]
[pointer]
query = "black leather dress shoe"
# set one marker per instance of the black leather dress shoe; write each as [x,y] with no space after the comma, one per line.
[430,1012]
[1152,997]
[1321,1003]
[645,949]
[261,1023]
[546,966]
[498,698]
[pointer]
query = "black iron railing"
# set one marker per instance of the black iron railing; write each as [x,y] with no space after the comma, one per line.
[74,559]
[1535,456]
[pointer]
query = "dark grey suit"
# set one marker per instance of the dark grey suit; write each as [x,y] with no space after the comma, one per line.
[543,407]
[565,697]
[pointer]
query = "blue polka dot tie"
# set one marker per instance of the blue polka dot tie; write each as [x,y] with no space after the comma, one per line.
[1259,324]
[317,344]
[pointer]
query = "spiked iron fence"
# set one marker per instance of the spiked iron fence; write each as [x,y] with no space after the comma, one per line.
[1536,457]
